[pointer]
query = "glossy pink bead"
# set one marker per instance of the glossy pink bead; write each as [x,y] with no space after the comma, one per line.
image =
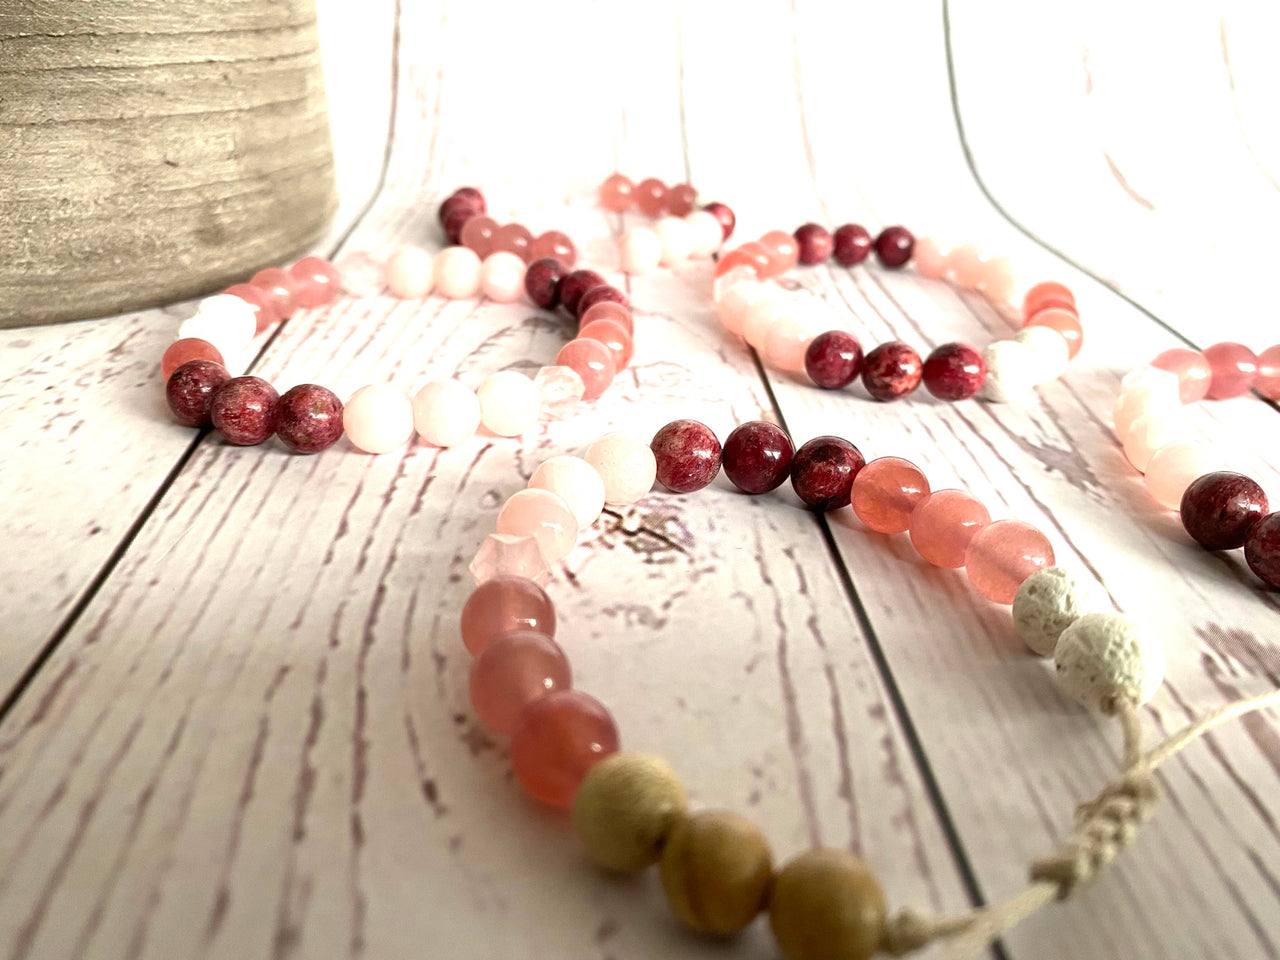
[186,350]
[555,245]
[559,739]
[679,199]
[514,238]
[543,515]
[1066,323]
[504,605]
[650,194]
[886,492]
[942,525]
[617,193]
[786,344]
[592,361]
[1003,554]
[1268,381]
[1191,369]
[614,336]
[281,288]
[930,258]
[317,282]
[1174,466]
[478,235]
[782,250]
[1044,295]
[512,673]
[1233,369]
[611,311]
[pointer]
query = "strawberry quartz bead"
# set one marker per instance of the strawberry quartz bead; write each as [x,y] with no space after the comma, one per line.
[782,250]
[317,282]
[751,256]
[264,314]
[504,605]
[601,293]
[886,491]
[542,282]
[1262,549]
[650,196]
[617,192]
[477,234]
[309,418]
[833,359]
[184,351]
[573,286]
[1219,509]
[1233,368]
[851,244]
[724,213]
[614,336]
[1191,369]
[1268,381]
[559,738]
[245,410]
[592,361]
[1047,295]
[511,673]
[190,389]
[823,472]
[281,288]
[954,371]
[1003,554]
[815,243]
[891,371]
[943,524]
[893,246]
[688,455]
[679,199]
[1065,322]
[757,456]
[514,238]
[613,312]
[555,245]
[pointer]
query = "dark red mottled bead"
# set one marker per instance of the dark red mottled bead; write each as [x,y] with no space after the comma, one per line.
[823,471]
[309,418]
[954,371]
[852,244]
[757,456]
[833,359]
[190,390]
[891,370]
[457,204]
[679,199]
[542,282]
[814,242]
[1262,549]
[688,455]
[575,285]
[894,246]
[1220,508]
[474,195]
[455,221]
[724,213]
[601,293]
[244,410]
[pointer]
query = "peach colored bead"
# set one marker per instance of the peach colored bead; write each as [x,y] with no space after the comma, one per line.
[943,523]
[1174,466]
[446,413]
[514,238]
[996,278]
[555,245]
[378,419]
[410,273]
[511,674]
[1150,395]
[542,515]
[457,273]
[640,251]
[592,361]
[758,319]
[930,257]
[509,403]
[477,234]
[576,482]
[1047,293]
[1233,368]
[1003,554]
[964,264]
[785,344]
[707,232]
[782,250]
[502,277]
[559,739]
[732,307]
[317,282]
[1268,381]
[504,605]
[1191,369]
[677,240]
[886,492]
[609,310]
[1063,321]
[626,464]
[738,259]
[613,336]
[1152,431]
[616,193]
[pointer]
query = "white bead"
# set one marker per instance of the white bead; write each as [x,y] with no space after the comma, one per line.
[457,273]
[577,482]
[224,320]
[1011,371]
[707,232]
[446,412]
[410,273]
[502,277]
[1049,351]
[626,464]
[509,403]
[1149,376]
[1048,602]
[640,250]
[677,240]
[1103,657]
[378,418]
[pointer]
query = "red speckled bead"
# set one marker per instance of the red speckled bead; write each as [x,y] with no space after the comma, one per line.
[281,289]
[257,298]
[472,196]
[186,350]
[1047,295]
[1220,508]
[1262,549]
[542,282]
[943,523]
[757,456]
[851,244]
[1003,554]
[317,281]
[504,605]
[560,737]
[614,336]
[309,418]
[724,213]
[576,284]
[592,361]
[954,371]
[511,673]
[1234,368]
[886,492]
[679,199]
[832,360]
[245,410]
[190,390]
[891,370]
[601,293]
[688,455]
[823,471]
[556,245]
[617,192]
[815,243]
[650,196]
[894,245]
[477,235]
[1065,322]
[456,204]
[514,238]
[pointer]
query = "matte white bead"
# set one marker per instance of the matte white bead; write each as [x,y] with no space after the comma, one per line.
[1011,371]
[677,240]
[410,273]
[1048,602]
[1049,351]
[446,412]
[577,482]
[626,464]
[224,320]
[457,273]
[378,418]
[640,250]
[1103,657]
[708,234]
[509,403]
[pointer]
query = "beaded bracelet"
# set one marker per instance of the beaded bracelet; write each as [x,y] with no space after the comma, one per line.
[1220,509]
[679,232]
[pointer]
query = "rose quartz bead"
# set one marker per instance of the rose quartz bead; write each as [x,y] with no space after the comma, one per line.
[502,277]
[964,264]
[1174,466]
[514,238]
[650,194]
[361,274]
[1233,368]
[613,336]
[617,193]
[758,319]
[1152,431]
[512,673]
[609,310]
[281,287]
[738,259]
[183,351]
[457,273]
[677,240]
[1044,295]
[1064,322]
[259,300]
[1003,554]
[782,250]
[1155,393]
[542,515]
[509,403]
[410,273]
[996,279]
[504,605]
[317,281]
[1268,381]
[626,464]
[733,304]
[555,245]
[707,234]
[640,251]
[478,235]
[785,344]
[559,739]
[378,419]
[886,492]
[446,413]
[943,523]
[576,482]
[1191,369]
[930,258]
[501,554]
[592,360]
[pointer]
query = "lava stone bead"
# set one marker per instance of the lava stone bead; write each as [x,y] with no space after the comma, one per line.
[823,471]
[575,285]
[1220,508]
[542,282]
[891,370]
[832,360]
[852,244]
[954,371]
[190,390]
[757,456]
[309,418]
[688,455]
[814,242]
[1262,549]
[601,293]
[245,410]
[894,246]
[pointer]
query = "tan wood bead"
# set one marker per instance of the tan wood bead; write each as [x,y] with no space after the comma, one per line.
[827,905]
[716,870]
[625,808]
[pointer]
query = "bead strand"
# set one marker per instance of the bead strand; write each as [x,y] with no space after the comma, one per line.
[679,232]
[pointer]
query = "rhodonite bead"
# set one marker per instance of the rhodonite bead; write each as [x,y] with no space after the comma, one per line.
[1047,294]
[509,403]
[575,284]
[1262,549]
[782,250]
[378,418]
[259,300]
[514,238]
[502,606]
[1065,323]
[757,456]
[478,235]
[626,464]
[1174,467]
[1220,508]
[943,524]
[542,282]
[457,205]
[650,195]
[317,282]
[591,360]
[455,221]
[602,293]
[891,370]
[851,244]
[1268,379]
[446,413]
[724,213]
[189,390]
[472,196]
[885,493]
[954,371]
[679,200]
[612,335]
[576,482]
[184,351]
[1003,554]
[511,673]
[823,471]
[245,410]
[833,359]
[814,242]
[502,277]
[687,454]
[555,245]
[893,246]
[560,737]
[617,192]
[608,310]
[410,273]
[1233,368]
[543,515]
[309,418]
[281,288]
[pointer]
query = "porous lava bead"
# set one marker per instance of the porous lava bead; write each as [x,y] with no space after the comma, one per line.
[891,370]
[309,418]
[245,410]
[823,471]
[601,293]
[815,243]
[724,213]
[542,282]
[832,360]
[190,390]
[1262,549]
[1220,508]
[954,371]
[894,245]
[573,286]
[688,455]
[757,456]
[851,244]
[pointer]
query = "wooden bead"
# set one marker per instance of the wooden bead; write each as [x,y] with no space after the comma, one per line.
[827,905]
[625,808]
[716,869]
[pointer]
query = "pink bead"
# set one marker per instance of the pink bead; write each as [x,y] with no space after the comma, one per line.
[943,523]
[1064,322]
[617,193]
[457,273]
[1174,466]
[731,309]
[183,351]
[650,195]
[783,251]
[512,673]
[574,481]
[996,279]
[502,277]
[886,492]
[785,344]
[609,310]
[560,737]
[1044,295]
[555,245]
[361,273]
[514,238]
[478,235]
[282,288]
[613,336]
[259,300]
[542,515]
[1152,394]
[964,263]
[758,319]
[1003,554]
[1268,382]
[1152,431]
[930,258]
[410,273]
[1191,369]
[502,554]
[317,282]
[592,361]
[1233,368]
[504,605]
